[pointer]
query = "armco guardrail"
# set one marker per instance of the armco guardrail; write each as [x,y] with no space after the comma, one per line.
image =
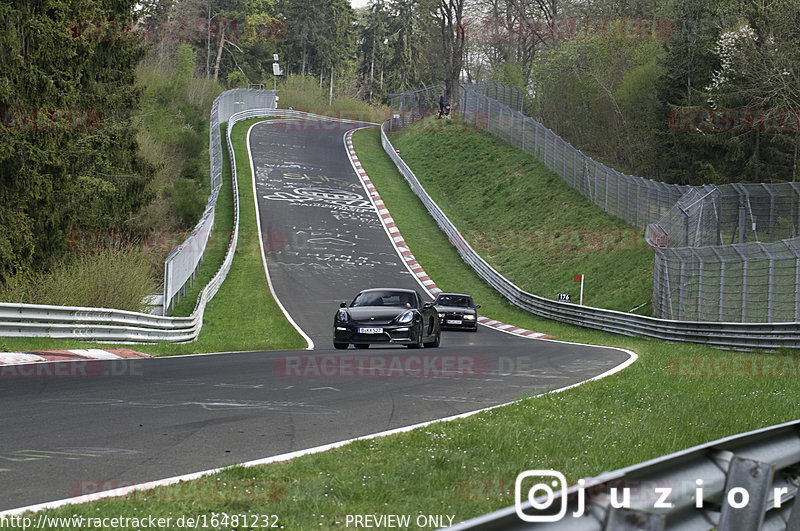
[181,265]
[103,324]
[727,335]
[722,253]
[701,488]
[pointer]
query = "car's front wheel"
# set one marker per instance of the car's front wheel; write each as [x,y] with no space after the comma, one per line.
[340,346]
[418,342]
[366,345]
[436,341]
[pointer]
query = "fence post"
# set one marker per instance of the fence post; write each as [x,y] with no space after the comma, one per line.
[744,283]
[574,167]
[797,288]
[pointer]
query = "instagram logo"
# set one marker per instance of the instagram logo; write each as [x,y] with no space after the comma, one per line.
[541,494]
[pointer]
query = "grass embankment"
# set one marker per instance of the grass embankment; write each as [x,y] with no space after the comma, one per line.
[524,220]
[674,397]
[244,293]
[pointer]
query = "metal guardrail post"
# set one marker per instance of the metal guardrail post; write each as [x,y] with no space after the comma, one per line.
[747,491]
[633,520]
[705,486]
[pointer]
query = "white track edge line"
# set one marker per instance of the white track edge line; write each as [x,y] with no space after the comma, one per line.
[632,357]
[309,341]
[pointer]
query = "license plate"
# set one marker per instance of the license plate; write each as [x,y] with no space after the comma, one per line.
[370,330]
[454,321]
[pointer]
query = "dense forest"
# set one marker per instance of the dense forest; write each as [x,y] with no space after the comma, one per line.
[104,104]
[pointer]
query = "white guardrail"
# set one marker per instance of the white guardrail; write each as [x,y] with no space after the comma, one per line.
[719,334]
[698,489]
[181,265]
[104,324]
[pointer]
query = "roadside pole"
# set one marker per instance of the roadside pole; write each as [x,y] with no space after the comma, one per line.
[579,278]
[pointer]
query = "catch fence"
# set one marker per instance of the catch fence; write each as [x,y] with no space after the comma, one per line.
[408,107]
[180,267]
[726,253]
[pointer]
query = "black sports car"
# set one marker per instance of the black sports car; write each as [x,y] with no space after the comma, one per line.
[388,316]
[456,310]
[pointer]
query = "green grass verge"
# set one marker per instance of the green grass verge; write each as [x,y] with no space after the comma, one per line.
[217,241]
[523,219]
[243,315]
[674,397]
[240,317]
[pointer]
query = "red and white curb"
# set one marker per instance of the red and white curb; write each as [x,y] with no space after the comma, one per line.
[402,248]
[44,356]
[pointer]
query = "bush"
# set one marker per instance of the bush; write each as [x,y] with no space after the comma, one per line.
[304,94]
[188,200]
[109,279]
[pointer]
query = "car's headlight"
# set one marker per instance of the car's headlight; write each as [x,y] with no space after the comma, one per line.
[406,317]
[342,316]
[469,317]
[441,316]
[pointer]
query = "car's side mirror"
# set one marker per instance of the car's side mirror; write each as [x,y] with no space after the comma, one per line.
[342,305]
[477,306]
[427,305]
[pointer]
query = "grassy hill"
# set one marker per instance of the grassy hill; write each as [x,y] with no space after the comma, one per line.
[524,220]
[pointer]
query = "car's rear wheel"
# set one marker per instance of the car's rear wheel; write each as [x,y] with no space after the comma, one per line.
[340,346]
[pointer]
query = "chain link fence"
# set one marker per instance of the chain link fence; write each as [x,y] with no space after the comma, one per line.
[408,107]
[180,267]
[512,97]
[634,199]
[722,253]
[729,253]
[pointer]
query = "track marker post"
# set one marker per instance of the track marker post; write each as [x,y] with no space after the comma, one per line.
[579,278]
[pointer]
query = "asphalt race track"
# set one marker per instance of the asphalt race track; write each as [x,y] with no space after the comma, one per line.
[96,425]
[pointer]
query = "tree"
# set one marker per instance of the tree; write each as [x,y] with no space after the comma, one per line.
[68,154]
[450,15]
[760,66]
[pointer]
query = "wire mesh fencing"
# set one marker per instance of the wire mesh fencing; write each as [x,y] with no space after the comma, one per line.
[408,107]
[725,253]
[180,267]
[634,199]
[512,97]
[729,253]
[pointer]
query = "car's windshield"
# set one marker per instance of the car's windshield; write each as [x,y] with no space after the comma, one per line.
[454,300]
[386,298]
